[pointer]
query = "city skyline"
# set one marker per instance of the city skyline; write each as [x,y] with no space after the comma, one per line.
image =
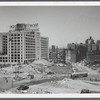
[62,24]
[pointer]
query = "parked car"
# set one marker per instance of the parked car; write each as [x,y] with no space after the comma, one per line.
[85,91]
[23,87]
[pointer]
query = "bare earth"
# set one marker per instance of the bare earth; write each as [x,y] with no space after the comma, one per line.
[49,84]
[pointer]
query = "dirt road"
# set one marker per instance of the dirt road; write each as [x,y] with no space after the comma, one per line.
[5,86]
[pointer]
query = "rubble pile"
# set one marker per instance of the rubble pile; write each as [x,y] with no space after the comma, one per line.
[77,84]
[82,67]
[28,69]
[42,69]
[61,70]
[42,62]
[39,91]
[58,84]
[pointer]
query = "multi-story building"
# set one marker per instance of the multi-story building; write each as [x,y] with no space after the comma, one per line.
[44,48]
[70,55]
[71,46]
[23,43]
[78,52]
[3,43]
[53,48]
[93,53]
[93,57]
[3,47]
[89,41]
[75,52]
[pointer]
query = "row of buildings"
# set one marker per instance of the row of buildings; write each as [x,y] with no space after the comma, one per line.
[89,50]
[74,52]
[23,43]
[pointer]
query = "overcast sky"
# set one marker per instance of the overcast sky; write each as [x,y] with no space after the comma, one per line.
[62,25]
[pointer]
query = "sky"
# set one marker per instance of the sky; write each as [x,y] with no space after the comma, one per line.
[62,24]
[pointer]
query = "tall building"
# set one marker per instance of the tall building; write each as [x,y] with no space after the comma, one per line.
[93,53]
[53,48]
[75,52]
[89,41]
[44,48]
[71,46]
[70,55]
[3,43]
[23,43]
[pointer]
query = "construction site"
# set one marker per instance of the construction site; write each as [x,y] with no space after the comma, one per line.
[43,77]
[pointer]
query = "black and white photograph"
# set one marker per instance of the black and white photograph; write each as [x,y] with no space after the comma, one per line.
[50,49]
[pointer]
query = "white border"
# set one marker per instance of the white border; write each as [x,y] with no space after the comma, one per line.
[50,3]
[50,95]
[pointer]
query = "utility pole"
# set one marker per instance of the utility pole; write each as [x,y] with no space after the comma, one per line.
[12,83]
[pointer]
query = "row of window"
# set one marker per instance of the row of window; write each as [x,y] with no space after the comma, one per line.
[30,49]
[28,57]
[29,35]
[16,60]
[16,49]
[3,58]
[15,34]
[30,53]
[44,46]
[29,46]
[30,43]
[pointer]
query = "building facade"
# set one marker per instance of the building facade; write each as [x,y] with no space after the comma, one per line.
[44,48]
[75,52]
[93,52]
[70,55]
[22,44]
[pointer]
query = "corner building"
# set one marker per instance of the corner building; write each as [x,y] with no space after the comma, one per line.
[24,44]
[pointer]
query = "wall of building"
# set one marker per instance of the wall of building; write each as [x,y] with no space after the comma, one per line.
[29,46]
[93,53]
[71,46]
[76,52]
[21,45]
[53,48]
[70,56]
[38,45]
[44,48]
[15,47]
[1,44]
[93,57]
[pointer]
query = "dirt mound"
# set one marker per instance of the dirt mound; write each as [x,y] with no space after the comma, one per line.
[42,62]
[28,69]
